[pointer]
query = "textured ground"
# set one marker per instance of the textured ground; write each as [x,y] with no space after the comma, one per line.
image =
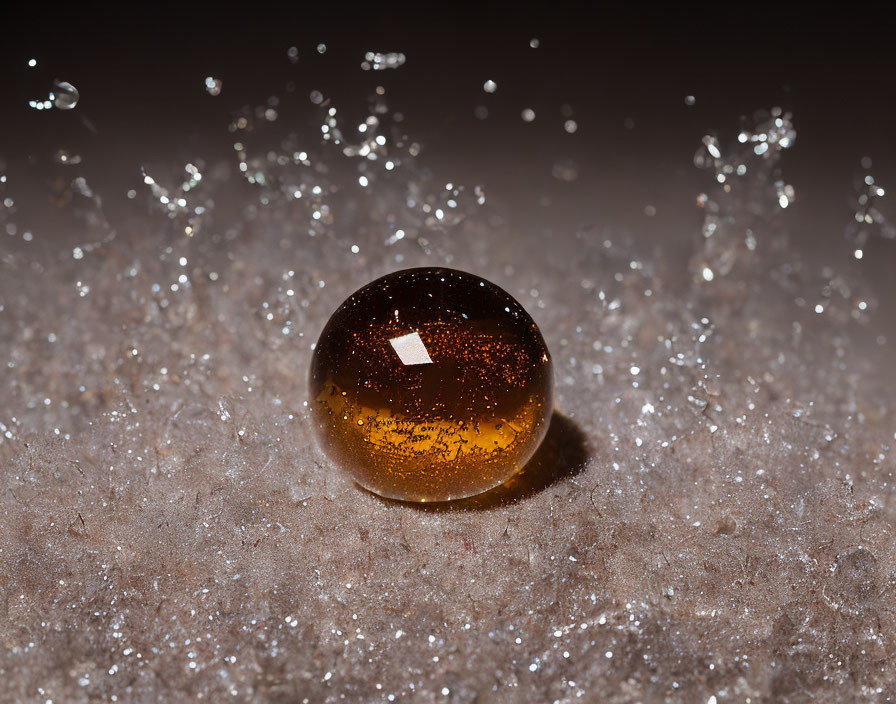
[709,520]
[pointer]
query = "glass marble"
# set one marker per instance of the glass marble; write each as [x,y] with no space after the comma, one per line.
[430,384]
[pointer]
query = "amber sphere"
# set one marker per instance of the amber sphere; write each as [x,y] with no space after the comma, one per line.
[430,385]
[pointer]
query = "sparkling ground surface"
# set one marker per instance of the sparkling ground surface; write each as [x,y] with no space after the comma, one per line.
[709,520]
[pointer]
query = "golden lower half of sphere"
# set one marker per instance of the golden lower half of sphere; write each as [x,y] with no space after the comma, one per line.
[431,385]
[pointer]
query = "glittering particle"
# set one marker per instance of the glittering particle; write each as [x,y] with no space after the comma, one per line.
[689,100]
[528,115]
[321,48]
[570,126]
[489,86]
[32,63]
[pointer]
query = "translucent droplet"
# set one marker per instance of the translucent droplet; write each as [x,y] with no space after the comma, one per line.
[566,170]
[213,85]
[489,86]
[380,61]
[528,115]
[63,156]
[64,96]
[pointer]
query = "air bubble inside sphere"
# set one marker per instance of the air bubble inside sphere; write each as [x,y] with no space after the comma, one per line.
[431,385]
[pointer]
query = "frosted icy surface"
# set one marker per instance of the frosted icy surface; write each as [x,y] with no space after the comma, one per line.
[710,518]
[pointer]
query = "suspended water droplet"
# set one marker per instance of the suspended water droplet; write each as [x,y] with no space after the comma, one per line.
[64,96]
[566,170]
[378,61]
[213,85]
[489,86]
[63,156]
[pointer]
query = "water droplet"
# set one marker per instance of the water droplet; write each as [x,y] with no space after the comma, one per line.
[489,86]
[528,115]
[213,85]
[379,61]
[566,170]
[63,156]
[64,96]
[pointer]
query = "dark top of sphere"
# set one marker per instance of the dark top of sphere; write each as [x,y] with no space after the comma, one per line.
[433,341]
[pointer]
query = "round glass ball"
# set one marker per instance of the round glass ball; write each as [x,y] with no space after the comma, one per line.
[431,384]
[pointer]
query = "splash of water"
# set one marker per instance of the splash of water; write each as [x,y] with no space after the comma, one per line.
[749,191]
